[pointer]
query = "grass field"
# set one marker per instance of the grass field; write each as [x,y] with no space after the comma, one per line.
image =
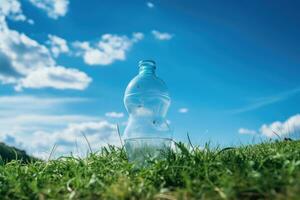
[265,171]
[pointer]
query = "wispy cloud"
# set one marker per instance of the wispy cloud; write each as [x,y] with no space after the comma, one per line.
[114,114]
[150,4]
[33,111]
[25,100]
[161,36]
[264,101]
[183,110]
[245,131]
[12,107]
[26,124]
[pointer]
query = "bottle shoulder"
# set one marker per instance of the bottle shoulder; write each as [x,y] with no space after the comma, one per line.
[142,84]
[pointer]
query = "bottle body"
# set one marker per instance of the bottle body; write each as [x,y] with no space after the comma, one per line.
[147,101]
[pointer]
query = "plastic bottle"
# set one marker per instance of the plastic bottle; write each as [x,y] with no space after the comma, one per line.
[147,100]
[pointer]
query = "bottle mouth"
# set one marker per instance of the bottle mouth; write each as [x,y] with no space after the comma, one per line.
[148,63]
[147,66]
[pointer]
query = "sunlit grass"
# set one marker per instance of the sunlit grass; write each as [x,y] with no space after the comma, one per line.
[265,171]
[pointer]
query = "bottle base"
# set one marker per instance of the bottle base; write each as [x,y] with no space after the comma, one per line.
[139,150]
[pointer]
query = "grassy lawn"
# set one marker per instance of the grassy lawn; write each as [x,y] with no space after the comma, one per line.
[265,171]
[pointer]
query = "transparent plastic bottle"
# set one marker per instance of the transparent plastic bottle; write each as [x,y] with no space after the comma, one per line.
[147,101]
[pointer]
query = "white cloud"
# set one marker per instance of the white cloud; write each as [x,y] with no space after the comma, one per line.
[30,21]
[150,4]
[58,45]
[54,8]
[27,64]
[143,112]
[70,139]
[107,50]
[287,128]
[137,36]
[245,131]
[35,123]
[183,110]
[162,36]
[12,9]
[114,114]
[55,77]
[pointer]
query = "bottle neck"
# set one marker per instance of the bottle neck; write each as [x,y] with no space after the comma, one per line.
[147,67]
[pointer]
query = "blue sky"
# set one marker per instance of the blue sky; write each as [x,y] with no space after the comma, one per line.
[232,69]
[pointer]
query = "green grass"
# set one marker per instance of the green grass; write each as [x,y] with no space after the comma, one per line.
[264,171]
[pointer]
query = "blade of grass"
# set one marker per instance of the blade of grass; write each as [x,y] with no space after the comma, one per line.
[52,152]
[189,139]
[119,134]
[88,143]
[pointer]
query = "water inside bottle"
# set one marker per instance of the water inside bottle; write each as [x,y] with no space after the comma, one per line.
[139,150]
